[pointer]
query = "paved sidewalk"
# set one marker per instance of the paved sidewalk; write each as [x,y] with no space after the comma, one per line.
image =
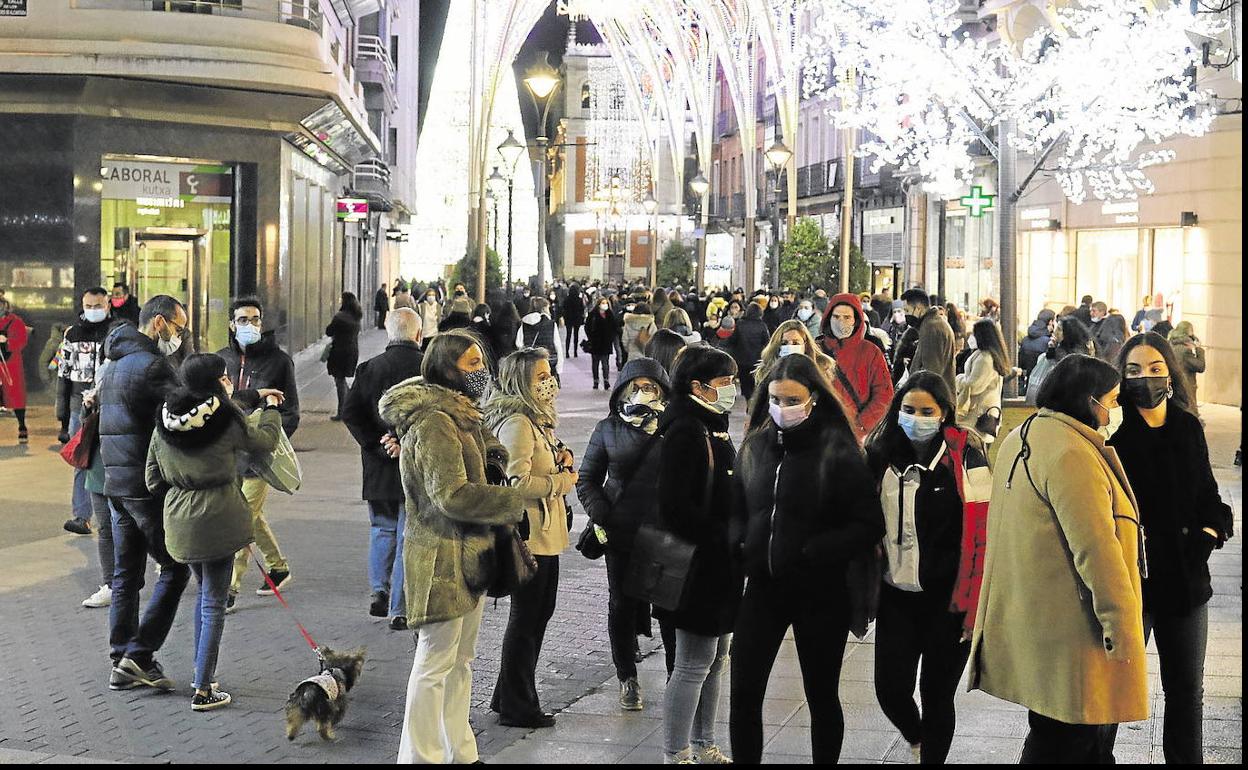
[55,706]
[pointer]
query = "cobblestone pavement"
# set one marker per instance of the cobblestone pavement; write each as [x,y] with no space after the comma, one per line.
[55,705]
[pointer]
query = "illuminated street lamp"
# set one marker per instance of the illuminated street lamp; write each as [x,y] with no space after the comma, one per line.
[651,206]
[497,183]
[542,81]
[700,185]
[778,155]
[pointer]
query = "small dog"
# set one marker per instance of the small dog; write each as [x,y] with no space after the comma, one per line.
[323,698]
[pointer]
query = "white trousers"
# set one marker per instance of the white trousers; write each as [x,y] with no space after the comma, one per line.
[435,722]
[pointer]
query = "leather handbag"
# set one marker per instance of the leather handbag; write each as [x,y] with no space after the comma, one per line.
[77,451]
[514,565]
[659,567]
[589,545]
[988,423]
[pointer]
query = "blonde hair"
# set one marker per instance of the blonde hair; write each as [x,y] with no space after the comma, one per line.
[515,380]
[771,353]
[675,317]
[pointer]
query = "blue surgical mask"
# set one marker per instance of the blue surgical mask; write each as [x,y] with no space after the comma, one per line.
[917,428]
[94,315]
[247,335]
[725,397]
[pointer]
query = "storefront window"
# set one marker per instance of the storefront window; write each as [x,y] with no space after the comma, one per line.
[1169,255]
[1108,267]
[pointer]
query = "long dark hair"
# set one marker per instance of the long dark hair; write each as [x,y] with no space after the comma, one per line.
[928,382]
[702,364]
[441,363]
[201,375]
[1182,397]
[1075,336]
[828,406]
[1075,380]
[664,346]
[989,341]
[351,306]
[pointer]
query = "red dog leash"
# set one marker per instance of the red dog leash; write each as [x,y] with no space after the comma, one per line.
[306,636]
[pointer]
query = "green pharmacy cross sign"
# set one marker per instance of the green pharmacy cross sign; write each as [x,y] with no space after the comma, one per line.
[977,201]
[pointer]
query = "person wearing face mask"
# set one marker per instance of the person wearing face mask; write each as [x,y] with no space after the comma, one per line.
[601,330]
[789,339]
[929,342]
[771,313]
[804,507]
[933,483]
[746,346]
[80,355]
[430,311]
[191,462]
[521,413]
[807,314]
[1108,333]
[538,330]
[1059,627]
[862,378]
[445,453]
[979,387]
[618,487]
[1163,449]
[253,360]
[124,305]
[136,380]
[695,504]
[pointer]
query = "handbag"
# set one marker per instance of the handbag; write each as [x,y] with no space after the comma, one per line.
[280,468]
[77,451]
[988,424]
[327,351]
[514,564]
[658,570]
[585,346]
[589,545]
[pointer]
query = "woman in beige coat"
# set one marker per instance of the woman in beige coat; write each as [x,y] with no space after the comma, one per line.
[521,412]
[1059,626]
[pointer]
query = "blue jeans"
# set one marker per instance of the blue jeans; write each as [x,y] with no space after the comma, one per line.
[214,587]
[82,498]
[691,701]
[139,531]
[103,536]
[385,550]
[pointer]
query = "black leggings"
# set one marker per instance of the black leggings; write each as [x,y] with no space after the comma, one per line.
[20,414]
[603,361]
[820,622]
[911,626]
[572,341]
[1050,742]
[340,386]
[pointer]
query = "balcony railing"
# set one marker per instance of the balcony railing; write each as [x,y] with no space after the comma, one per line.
[371,176]
[370,49]
[299,13]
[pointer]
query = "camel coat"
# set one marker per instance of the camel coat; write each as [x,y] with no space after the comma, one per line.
[1060,622]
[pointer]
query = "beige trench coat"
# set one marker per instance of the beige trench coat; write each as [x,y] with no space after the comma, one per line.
[1060,622]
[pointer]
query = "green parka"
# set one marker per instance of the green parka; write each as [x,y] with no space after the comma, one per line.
[206,516]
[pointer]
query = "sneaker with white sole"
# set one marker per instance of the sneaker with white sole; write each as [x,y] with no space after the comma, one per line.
[119,680]
[280,578]
[711,755]
[682,757]
[153,676]
[215,699]
[101,598]
[231,604]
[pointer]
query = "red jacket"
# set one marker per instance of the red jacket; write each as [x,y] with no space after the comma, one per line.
[863,366]
[12,378]
[974,492]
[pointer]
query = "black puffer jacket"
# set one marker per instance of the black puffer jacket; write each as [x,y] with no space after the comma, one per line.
[574,309]
[265,365]
[131,391]
[713,591]
[747,343]
[806,503]
[614,449]
[400,361]
[601,331]
[1169,470]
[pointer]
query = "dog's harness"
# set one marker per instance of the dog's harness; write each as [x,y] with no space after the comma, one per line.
[326,682]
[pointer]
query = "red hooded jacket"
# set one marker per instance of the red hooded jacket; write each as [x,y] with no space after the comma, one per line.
[862,365]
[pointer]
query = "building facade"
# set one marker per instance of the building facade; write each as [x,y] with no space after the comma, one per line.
[194,148]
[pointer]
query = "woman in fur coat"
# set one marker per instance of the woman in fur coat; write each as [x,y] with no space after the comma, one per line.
[448,560]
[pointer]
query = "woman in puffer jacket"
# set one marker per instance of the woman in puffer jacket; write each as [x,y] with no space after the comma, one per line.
[804,506]
[448,554]
[934,485]
[521,413]
[193,457]
[618,487]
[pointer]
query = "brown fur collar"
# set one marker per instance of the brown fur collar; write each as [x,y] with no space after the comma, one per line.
[410,400]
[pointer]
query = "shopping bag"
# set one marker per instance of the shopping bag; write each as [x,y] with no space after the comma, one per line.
[279,468]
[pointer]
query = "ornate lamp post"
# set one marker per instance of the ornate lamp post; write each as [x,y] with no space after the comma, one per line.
[542,81]
[651,206]
[510,151]
[699,185]
[778,155]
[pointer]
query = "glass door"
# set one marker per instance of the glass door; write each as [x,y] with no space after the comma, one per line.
[176,267]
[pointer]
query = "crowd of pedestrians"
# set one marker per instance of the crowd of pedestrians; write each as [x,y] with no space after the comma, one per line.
[861,494]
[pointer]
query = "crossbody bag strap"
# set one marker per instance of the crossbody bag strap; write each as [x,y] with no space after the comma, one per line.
[626,478]
[849,388]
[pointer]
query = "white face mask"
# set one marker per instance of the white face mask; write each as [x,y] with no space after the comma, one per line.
[805,313]
[841,330]
[170,346]
[972,343]
[789,350]
[786,417]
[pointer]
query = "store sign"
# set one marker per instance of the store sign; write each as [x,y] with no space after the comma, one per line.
[883,221]
[168,185]
[352,209]
[1122,207]
[977,202]
[12,7]
[1031,215]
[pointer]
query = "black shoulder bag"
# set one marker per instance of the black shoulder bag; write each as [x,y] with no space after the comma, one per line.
[514,564]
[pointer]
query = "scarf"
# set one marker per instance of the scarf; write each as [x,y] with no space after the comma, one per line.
[192,419]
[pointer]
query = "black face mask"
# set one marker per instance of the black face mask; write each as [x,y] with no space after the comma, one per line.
[1145,392]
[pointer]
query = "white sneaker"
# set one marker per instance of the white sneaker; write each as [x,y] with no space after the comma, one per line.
[101,598]
[711,755]
[916,753]
[682,757]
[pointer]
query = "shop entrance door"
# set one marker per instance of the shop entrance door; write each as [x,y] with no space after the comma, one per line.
[175,264]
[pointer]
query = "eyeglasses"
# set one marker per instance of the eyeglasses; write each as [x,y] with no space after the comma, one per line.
[247,320]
